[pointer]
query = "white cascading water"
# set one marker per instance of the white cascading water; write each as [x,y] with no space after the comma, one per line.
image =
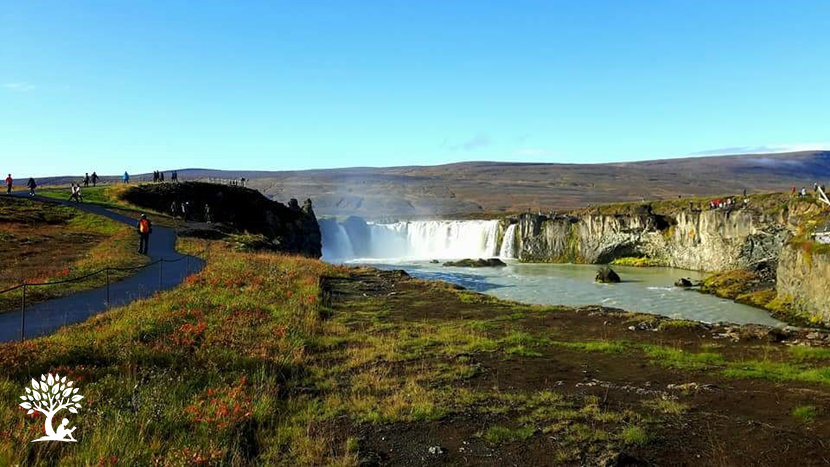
[508,244]
[415,240]
[336,244]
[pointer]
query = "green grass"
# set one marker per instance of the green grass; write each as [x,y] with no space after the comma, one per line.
[667,406]
[101,195]
[809,353]
[682,360]
[597,346]
[639,262]
[47,243]
[635,436]
[805,413]
[775,371]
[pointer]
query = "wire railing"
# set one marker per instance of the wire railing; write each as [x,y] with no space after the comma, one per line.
[26,286]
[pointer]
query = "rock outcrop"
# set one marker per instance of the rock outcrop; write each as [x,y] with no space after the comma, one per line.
[698,240]
[290,229]
[477,263]
[803,281]
[607,275]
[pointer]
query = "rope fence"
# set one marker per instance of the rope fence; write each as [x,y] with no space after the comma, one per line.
[106,271]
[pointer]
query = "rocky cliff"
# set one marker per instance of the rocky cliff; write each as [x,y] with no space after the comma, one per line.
[290,229]
[706,240]
[804,280]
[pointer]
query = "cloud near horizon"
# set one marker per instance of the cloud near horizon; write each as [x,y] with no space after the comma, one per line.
[20,86]
[763,149]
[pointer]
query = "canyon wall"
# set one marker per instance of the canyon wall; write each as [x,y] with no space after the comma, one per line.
[711,240]
[804,281]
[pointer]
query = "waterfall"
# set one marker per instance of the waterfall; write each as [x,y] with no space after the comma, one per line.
[508,244]
[336,241]
[414,240]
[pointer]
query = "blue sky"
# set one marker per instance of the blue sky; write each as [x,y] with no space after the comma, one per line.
[138,85]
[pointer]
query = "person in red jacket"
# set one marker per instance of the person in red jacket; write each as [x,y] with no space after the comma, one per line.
[9,183]
[145,228]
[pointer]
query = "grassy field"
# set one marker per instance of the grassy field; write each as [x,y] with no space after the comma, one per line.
[273,359]
[41,242]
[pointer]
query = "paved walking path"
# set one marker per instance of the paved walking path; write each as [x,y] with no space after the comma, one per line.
[47,317]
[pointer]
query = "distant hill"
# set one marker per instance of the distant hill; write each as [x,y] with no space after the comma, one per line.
[471,188]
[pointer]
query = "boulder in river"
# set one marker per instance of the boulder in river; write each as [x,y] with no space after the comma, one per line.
[477,263]
[607,275]
[683,282]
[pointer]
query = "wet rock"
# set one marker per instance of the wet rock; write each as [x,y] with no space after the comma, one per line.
[476,263]
[683,282]
[434,261]
[607,275]
[752,332]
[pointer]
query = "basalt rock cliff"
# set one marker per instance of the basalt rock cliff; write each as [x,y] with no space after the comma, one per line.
[710,240]
[290,229]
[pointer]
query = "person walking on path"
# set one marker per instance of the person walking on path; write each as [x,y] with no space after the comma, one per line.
[185,208]
[174,176]
[86,179]
[126,177]
[9,183]
[207,213]
[145,228]
[94,178]
[174,209]
[32,184]
[161,177]
[75,193]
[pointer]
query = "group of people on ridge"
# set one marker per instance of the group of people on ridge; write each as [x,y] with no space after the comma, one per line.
[803,192]
[94,179]
[183,209]
[158,176]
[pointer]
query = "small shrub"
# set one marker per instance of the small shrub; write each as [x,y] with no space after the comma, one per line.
[635,436]
[805,413]
[500,434]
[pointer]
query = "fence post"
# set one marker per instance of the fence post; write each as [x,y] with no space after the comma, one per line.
[108,288]
[23,315]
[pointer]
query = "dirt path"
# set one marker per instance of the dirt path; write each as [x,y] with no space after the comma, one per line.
[47,317]
[603,375]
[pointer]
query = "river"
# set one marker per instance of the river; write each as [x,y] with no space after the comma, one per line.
[410,246]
